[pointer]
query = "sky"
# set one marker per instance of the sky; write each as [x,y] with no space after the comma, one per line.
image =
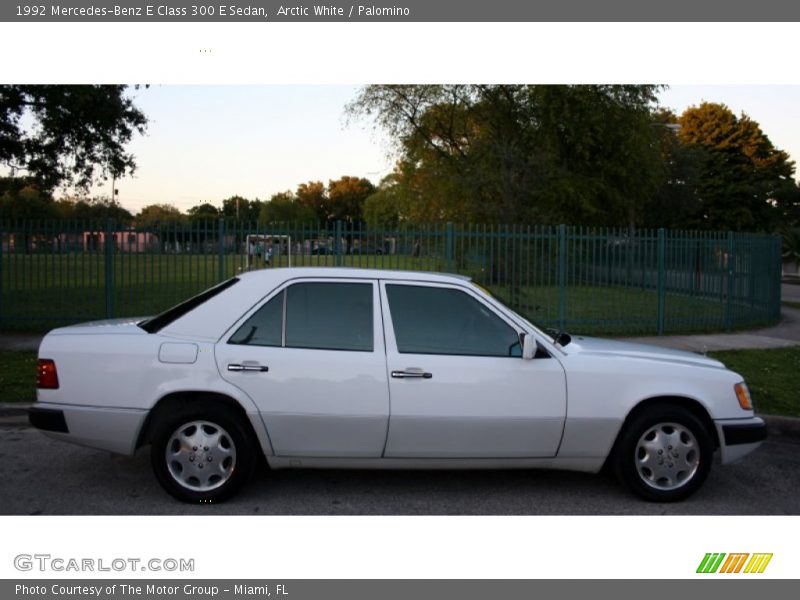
[207,143]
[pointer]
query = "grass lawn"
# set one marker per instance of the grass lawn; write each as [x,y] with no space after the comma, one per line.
[773,377]
[17,376]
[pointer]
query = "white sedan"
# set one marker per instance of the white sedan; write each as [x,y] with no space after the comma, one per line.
[355,368]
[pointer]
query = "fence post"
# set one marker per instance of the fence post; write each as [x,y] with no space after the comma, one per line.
[221,256]
[108,247]
[448,247]
[777,254]
[562,277]
[731,283]
[662,276]
[337,243]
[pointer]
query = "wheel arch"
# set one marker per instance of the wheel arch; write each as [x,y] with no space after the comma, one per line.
[692,405]
[175,400]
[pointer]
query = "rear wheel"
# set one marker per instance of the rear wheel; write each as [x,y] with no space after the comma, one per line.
[664,453]
[203,452]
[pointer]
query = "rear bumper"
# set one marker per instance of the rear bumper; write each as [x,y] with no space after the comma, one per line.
[48,419]
[112,429]
[740,437]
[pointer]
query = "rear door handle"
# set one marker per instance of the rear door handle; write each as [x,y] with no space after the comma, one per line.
[412,373]
[248,367]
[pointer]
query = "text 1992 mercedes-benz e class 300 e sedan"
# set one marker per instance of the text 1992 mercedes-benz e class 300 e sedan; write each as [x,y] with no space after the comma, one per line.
[354,368]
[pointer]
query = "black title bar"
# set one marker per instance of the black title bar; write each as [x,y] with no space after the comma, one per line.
[401,11]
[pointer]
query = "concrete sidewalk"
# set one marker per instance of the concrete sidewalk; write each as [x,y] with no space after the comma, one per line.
[784,334]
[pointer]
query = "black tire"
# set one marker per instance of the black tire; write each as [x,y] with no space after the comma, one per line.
[236,452]
[674,442]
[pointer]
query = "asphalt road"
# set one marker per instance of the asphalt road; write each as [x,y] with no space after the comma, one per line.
[44,476]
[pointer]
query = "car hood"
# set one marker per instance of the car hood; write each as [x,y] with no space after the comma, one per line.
[127,325]
[590,345]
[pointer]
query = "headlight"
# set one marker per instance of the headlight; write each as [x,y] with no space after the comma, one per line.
[743,394]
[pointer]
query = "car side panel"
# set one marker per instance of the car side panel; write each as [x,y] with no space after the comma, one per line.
[603,390]
[122,375]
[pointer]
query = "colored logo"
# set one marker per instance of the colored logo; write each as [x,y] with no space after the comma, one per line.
[741,562]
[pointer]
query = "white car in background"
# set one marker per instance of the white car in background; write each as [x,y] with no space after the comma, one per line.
[355,368]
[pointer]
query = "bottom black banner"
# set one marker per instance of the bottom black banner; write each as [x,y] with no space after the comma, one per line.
[392,589]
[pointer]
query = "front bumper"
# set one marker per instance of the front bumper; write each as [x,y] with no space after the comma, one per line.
[744,433]
[739,437]
[112,429]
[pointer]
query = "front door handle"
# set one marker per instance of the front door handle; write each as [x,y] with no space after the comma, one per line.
[248,367]
[412,373]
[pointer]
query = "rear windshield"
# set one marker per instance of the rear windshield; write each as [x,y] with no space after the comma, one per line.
[157,323]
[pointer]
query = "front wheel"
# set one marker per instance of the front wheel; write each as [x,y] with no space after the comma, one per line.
[664,454]
[202,453]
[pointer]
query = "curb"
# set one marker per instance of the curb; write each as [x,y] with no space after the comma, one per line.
[785,428]
[782,427]
[14,409]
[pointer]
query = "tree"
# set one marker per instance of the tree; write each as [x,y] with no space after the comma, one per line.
[284,208]
[675,203]
[97,210]
[241,209]
[516,153]
[68,134]
[744,183]
[203,213]
[313,195]
[21,198]
[160,215]
[383,209]
[346,197]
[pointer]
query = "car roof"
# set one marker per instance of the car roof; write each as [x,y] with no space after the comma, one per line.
[210,320]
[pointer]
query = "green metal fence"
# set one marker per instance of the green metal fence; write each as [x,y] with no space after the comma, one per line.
[588,280]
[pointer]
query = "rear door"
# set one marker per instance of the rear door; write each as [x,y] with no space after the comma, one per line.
[459,386]
[312,359]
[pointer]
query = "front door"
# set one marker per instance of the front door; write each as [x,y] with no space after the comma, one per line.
[459,386]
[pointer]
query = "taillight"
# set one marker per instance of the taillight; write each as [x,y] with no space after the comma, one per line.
[46,374]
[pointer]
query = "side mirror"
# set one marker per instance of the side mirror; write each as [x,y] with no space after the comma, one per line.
[528,346]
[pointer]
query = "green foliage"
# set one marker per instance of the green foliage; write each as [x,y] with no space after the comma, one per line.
[516,153]
[343,199]
[18,376]
[346,197]
[382,209]
[68,134]
[575,154]
[160,215]
[744,183]
[285,208]
[95,210]
[203,213]
[313,196]
[21,198]
[241,209]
